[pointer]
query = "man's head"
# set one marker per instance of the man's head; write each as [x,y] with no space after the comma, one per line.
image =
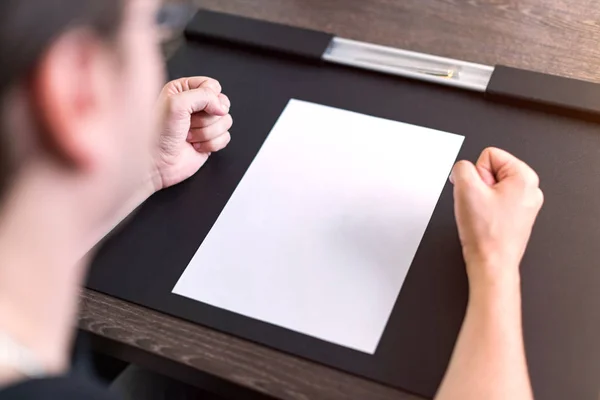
[78,80]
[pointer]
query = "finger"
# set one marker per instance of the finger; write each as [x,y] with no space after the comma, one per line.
[196,82]
[211,132]
[191,83]
[503,165]
[539,197]
[485,172]
[195,101]
[202,120]
[465,174]
[216,144]
[492,161]
[225,100]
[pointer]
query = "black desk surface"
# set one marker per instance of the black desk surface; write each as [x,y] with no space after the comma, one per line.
[578,192]
[559,271]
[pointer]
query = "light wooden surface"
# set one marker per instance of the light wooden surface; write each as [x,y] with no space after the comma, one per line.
[553,36]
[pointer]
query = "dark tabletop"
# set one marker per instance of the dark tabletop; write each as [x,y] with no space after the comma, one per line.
[553,36]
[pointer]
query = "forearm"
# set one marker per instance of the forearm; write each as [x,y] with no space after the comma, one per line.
[489,357]
[146,189]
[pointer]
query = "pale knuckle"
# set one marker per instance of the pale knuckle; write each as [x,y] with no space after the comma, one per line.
[176,84]
[489,150]
[202,134]
[210,147]
[228,121]
[175,105]
[220,143]
[531,177]
[209,93]
[527,178]
[533,199]
[461,164]
[225,98]
[539,195]
[227,138]
[463,176]
[459,168]
[213,84]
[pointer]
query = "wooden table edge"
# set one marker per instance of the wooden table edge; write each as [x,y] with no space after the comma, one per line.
[193,353]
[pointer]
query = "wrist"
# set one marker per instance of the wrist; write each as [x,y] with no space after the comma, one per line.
[155,181]
[146,187]
[491,281]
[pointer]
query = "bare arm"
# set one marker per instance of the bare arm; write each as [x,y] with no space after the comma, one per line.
[496,203]
[179,156]
[489,357]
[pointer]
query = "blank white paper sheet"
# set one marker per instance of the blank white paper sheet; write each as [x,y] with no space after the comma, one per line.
[321,231]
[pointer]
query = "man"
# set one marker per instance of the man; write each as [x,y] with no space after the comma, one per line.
[82,144]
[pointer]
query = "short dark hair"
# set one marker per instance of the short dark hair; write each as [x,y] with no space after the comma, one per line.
[28,28]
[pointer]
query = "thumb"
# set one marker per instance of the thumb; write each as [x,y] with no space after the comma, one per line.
[465,173]
[198,100]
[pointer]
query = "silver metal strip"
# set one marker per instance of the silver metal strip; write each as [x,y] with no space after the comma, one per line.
[409,64]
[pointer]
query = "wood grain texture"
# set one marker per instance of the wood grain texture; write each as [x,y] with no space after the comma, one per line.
[560,37]
[223,356]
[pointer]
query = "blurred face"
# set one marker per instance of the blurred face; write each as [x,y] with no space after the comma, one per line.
[136,80]
[94,101]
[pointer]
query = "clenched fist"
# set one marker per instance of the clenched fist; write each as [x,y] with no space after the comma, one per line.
[196,123]
[496,202]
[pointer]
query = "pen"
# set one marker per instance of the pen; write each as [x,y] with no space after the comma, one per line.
[442,73]
[410,64]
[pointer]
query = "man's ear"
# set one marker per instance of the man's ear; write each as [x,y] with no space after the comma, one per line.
[70,92]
